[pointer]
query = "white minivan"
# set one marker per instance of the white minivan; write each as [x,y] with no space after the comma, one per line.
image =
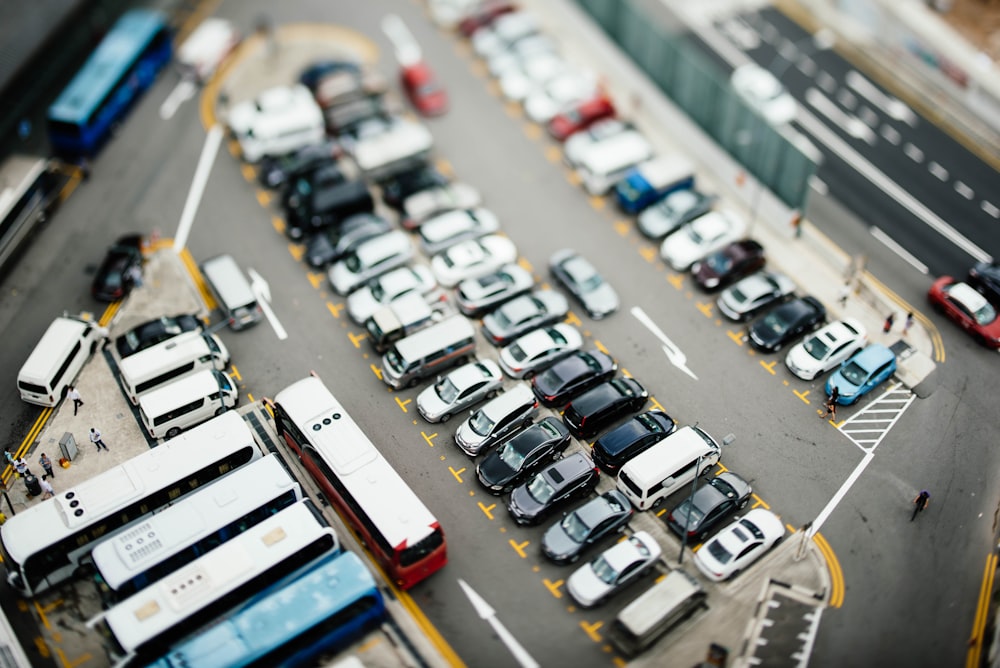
[278,121]
[53,365]
[655,474]
[606,162]
[186,402]
[171,359]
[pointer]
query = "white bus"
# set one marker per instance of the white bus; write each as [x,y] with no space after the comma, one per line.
[196,525]
[43,544]
[28,190]
[144,626]
[169,360]
[398,528]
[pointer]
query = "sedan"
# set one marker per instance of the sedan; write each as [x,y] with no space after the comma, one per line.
[539,348]
[579,143]
[754,293]
[475,296]
[826,349]
[738,259]
[785,323]
[461,388]
[702,236]
[448,228]
[527,73]
[370,259]
[121,269]
[739,545]
[584,282]
[423,89]
[566,540]
[516,458]
[472,259]
[985,277]
[398,187]
[862,373]
[333,243]
[960,303]
[612,450]
[275,172]
[614,569]
[580,116]
[429,202]
[565,479]
[763,93]
[314,72]
[706,508]
[522,314]
[573,375]
[388,287]
[597,408]
[674,210]
[155,331]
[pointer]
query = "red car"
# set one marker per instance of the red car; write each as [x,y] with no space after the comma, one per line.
[738,259]
[580,117]
[484,15]
[423,89]
[970,309]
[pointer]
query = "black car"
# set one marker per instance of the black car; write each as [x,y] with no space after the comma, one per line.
[332,243]
[302,186]
[155,331]
[985,277]
[275,172]
[568,478]
[327,206]
[120,270]
[709,505]
[573,375]
[568,538]
[314,73]
[506,466]
[598,407]
[400,186]
[624,442]
[785,323]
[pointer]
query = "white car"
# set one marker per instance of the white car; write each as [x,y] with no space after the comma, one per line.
[539,348]
[762,92]
[530,74]
[504,31]
[420,206]
[206,47]
[616,567]
[579,143]
[472,258]
[381,145]
[702,236]
[565,89]
[520,51]
[475,296]
[388,287]
[739,545]
[372,258]
[448,228]
[458,389]
[748,297]
[826,349]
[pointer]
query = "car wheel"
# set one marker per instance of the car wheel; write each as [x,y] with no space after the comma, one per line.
[733,574]
[220,410]
[744,503]
[445,417]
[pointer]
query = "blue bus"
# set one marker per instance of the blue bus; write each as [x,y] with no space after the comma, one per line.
[326,606]
[124,65]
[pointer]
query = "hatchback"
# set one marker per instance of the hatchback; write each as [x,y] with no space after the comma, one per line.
[475,296]
[120,270]
[785,323]
[517,457]
[614,569]
[459,389]
[575,273]
[826,349]
[597,408]
[725,266]
[372,258]
[423,88]
[497,418]
[539,348]
[524,313]
[573,375]
[862,373]
[563,480]
[969,309]
[566,540]
[739,545]
[709,505]
[624,442]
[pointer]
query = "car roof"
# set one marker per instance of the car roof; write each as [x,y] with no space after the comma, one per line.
[597,509]
[872,356]
[966,295]
[469,373]
[566,470]
[639,546]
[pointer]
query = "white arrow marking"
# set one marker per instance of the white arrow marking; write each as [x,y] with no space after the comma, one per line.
[673,353]
[486,612]
[208,152]
[184,91]
[262,291]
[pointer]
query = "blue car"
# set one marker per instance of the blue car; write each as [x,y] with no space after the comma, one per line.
[862,373]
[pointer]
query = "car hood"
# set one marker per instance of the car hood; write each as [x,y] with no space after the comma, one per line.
[557,542]
[493,470]
[799,358]
[319,250]
[585,586]
[468,440]
[430,403]
[680,251]
[524,504]
[361,304]
[603,300]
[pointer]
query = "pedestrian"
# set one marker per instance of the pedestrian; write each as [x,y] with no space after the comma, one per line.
[74,394]
[908,323]
[831,404]
[47,466]
[21,467]
[845,292]
[889,319]
[920,503]
[47,491]
[95,438]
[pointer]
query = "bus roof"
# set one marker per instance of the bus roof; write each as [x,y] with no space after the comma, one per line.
[109,61]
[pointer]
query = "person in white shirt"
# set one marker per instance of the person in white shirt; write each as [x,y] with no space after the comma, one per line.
[95,438]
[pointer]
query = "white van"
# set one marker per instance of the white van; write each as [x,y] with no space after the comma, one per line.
[169,360]
[608,161]
[57,359]
[391,148]
[429,351]
[664,605]
[655,474]
[206,47]
[186,402]
[232,291]
[278,121]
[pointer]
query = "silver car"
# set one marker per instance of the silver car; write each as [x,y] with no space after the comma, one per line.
[584,282]
[475,296]
[745,299]
[448,228]
[460,388]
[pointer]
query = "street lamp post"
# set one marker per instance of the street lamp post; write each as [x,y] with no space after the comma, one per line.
[694,487]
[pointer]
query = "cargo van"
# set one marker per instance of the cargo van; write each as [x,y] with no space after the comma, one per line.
[651,181]
[404,316]
[606,162]
[186,402]
[664,605]
[675,461]
[232,291]
[174,358]
[53,365]
[325,206]
[278,121]
[429,352]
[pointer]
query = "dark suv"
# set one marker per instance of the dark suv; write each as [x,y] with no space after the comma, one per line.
[624,442]
[595,409]
[326,206]
[565,479]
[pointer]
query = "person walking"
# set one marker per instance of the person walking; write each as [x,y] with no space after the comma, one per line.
[831,404]
[95,438]
[908,323]
[920,503]
[47,466]
[74,394]
[47,490]
[889,319]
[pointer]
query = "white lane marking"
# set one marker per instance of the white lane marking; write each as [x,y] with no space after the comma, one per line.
[889,187]
[913,153]
[890,105]
[891,135]
[899,250]
[841,493]
[405,45]
[808,66]
[990,208]
[183,91]
[938,171]
[208,152]
[826,82]
[868,116]
[846,99]
[262,291]
[487,613]
[964,190]
[850,124]
[673,353]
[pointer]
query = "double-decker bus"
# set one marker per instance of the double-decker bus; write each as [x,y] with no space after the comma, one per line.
[144,626]
[323,608]
[119,70]
[195,525]
[42,545]
[29,187]
[404,536]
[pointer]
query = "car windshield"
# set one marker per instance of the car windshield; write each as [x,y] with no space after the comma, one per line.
[738,295]
[540,490]
[986,314]
[604,571]
[717,550]
[719,262]
[591,283]
[775,322]
[516,352]
[378,292]
[815,347]
[510,456]
[575,528]
[695,237]
[854,373]
[446,390]
[353,263]
[481,423]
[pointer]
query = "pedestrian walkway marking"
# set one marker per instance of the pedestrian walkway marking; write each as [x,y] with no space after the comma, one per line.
[867,428]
